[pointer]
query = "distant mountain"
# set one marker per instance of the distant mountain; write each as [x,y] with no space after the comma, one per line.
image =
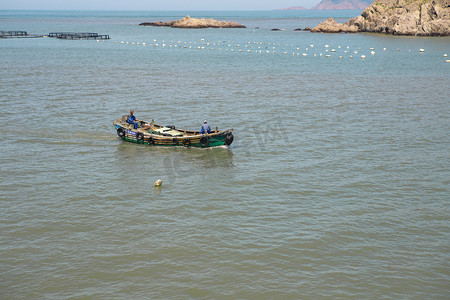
[343,4]
[293,8]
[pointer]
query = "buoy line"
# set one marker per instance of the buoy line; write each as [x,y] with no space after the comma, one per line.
[263,48]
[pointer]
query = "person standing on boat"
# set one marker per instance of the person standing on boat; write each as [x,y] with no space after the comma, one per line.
[132,119]
[205,128]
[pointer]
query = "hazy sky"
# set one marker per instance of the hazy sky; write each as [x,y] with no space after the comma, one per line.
[156,4]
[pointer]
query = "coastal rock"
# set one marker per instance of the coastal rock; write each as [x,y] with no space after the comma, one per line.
[399,17]
[188,22]
[331,26]
[402,17]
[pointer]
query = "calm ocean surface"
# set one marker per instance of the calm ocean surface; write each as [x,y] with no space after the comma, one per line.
[337,185]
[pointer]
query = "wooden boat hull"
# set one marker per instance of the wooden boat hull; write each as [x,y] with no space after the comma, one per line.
[156,135]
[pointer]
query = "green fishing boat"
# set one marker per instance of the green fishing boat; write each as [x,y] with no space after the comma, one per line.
[153,134]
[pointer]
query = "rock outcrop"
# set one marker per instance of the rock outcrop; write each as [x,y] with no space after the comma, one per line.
[188,22]
[331,26]
[399,17]
[342,4]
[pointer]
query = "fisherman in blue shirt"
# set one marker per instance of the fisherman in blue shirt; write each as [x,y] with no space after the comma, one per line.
[132,119]
[205,128]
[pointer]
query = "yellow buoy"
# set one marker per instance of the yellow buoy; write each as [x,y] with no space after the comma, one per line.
[158,182]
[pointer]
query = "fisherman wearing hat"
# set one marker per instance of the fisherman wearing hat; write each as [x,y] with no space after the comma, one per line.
[205,128]
[132,119]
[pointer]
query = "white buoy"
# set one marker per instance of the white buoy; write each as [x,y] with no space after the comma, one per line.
[445,55]
[158,182]
[372,52]
[326,46]
[363,56]
[422,50]
[448,60]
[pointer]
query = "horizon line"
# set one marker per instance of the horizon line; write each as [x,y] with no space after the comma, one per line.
[81,9]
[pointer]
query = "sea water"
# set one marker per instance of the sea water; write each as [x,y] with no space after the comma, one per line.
[336,185]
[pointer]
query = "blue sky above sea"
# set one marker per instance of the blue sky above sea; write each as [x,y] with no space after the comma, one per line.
[155,5]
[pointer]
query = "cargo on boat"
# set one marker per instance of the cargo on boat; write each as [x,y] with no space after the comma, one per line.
[153,134]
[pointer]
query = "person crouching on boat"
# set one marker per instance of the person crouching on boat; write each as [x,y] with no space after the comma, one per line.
[132,119]
[205,128]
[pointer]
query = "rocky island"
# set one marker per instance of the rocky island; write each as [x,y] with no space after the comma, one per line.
[188,22]
[398,17]
[342,4]
[293,8]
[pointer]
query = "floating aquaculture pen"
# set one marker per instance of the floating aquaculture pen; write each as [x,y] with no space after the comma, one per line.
[79,36]
[17,34]
[5,34]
